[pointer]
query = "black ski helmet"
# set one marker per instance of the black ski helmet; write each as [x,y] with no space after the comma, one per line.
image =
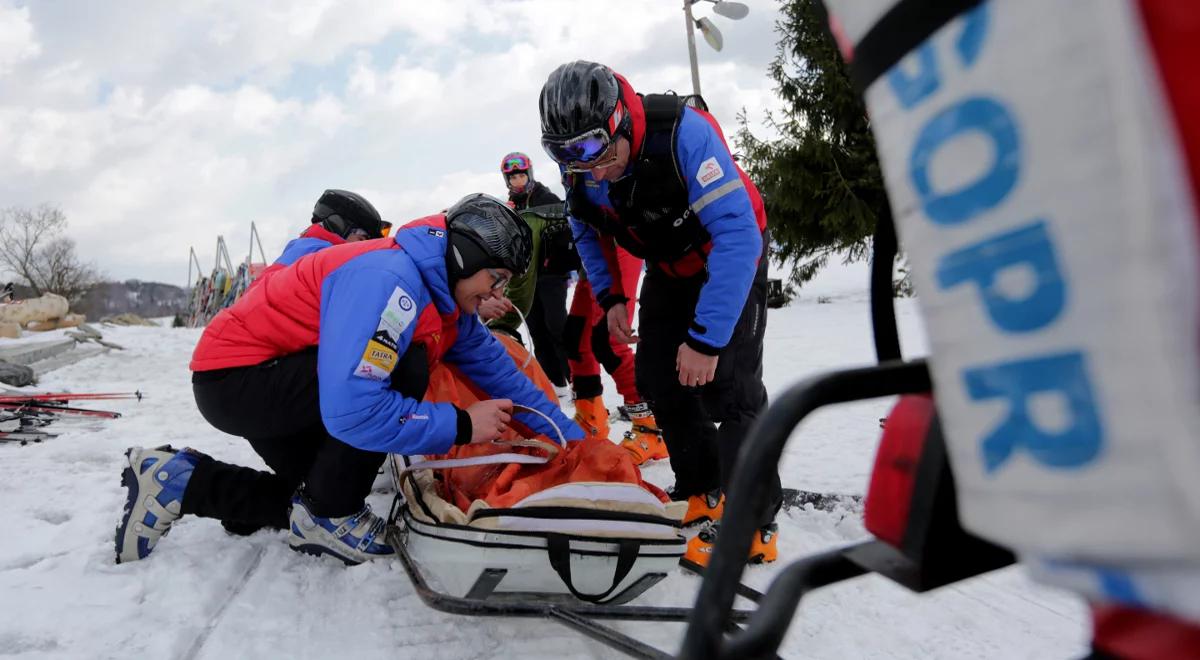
[342,211]
[484,232]
[580,96]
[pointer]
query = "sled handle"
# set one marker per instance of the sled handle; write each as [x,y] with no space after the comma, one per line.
[561,438]
[489,459]
[558,547]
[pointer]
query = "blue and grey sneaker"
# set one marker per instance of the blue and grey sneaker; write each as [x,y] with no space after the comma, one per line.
[154,480]
[353,539]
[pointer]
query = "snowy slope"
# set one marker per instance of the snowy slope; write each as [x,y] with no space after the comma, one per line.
[204,594]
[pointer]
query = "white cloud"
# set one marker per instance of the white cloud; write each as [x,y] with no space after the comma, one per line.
[17,40]
[158,126]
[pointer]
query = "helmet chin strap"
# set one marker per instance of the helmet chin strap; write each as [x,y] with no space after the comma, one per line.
[454,265]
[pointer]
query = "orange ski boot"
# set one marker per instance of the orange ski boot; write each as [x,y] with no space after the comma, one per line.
[705,507]
[645,440]
[591,415]
[762,549]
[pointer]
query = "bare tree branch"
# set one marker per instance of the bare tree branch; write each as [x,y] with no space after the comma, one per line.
[34,249]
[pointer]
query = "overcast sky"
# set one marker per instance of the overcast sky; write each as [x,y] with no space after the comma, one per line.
[158,126]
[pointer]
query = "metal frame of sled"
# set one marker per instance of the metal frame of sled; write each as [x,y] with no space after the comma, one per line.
[936,550]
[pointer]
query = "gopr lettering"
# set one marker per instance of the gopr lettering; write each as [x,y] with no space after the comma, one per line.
[1015,273]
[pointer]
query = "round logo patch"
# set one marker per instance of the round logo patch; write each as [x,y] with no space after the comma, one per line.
[406,303]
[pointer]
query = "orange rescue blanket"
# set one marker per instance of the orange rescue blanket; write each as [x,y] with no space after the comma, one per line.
[502,486]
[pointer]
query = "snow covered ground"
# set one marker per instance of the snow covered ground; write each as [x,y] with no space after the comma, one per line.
[205,594]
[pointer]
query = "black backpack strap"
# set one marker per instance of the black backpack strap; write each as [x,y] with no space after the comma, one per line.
[548,211]
[662,129]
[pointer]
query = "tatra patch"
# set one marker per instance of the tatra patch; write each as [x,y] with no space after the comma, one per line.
[377,361]
[709,171]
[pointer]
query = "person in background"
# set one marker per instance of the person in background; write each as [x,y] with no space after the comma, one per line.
[523,190]
[322,367]
[339,216]
[542,291]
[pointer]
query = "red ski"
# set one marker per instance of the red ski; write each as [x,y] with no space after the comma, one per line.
[9,396]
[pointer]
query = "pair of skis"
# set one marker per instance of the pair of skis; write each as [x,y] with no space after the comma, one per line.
[32,411]
[14,396]
[55,403]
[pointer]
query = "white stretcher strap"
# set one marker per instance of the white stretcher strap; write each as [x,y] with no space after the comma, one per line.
[507,457]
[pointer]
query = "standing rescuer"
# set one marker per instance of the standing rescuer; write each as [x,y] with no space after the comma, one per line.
[322,367]
[655,176]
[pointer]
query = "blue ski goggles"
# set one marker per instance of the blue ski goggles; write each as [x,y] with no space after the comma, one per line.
[581,152]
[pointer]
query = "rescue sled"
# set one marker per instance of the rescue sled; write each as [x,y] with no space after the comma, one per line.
[575,553]
[592,542]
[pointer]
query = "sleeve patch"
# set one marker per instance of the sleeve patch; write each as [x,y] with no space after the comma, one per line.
[377,362]
[380,355]
[710,170]
[399,313]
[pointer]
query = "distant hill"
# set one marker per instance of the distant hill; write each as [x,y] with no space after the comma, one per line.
[146,299]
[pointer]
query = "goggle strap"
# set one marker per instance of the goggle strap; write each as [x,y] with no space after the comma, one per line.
[614,120]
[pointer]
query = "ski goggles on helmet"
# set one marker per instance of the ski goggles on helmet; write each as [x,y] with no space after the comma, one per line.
[584,150]
[515,163]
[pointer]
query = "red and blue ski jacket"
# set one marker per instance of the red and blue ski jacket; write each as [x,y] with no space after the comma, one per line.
[363,305]
[718,192]
[313,239]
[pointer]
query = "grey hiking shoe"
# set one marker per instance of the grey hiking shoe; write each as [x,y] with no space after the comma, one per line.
[154,480]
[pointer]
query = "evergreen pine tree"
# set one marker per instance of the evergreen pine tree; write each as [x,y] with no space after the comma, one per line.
[820,179]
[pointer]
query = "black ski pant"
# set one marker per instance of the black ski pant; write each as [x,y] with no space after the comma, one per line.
[703,454]
[274,406]
[547,318]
